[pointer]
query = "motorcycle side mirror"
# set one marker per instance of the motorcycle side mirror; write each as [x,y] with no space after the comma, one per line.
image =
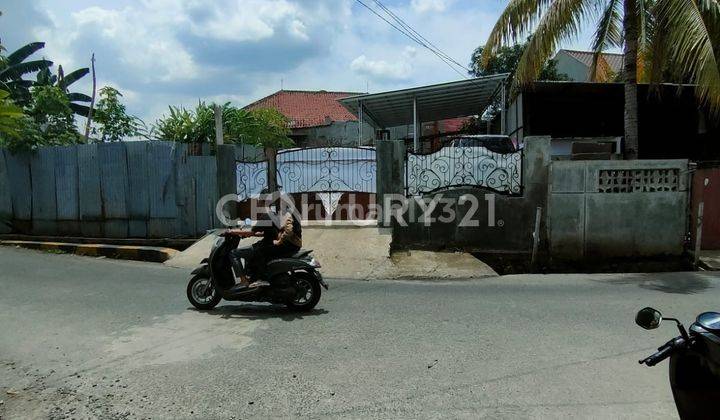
[648,318]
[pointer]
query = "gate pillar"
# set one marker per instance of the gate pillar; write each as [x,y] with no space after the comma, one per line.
[390,157]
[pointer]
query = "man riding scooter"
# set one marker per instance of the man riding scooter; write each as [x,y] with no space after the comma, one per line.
[276,243]
[281,272]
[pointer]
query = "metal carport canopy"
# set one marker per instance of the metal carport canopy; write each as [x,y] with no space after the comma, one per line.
[434,102]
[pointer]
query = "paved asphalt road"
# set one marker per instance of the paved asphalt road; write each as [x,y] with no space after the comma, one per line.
[83,337]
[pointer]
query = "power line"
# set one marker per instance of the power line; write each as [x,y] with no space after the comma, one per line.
[415,39]
[408,32]
[424,40]
[411,33]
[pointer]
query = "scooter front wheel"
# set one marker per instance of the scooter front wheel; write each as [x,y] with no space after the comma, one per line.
[202,294]
[307,293]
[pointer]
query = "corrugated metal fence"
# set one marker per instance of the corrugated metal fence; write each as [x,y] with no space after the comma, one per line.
[116,190]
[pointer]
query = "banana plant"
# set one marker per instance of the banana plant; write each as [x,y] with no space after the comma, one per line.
[63,81]
[13,68]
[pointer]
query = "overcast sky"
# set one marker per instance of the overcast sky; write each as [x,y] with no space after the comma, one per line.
[174,52]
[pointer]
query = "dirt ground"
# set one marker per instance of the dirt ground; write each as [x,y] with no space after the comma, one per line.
[363,253]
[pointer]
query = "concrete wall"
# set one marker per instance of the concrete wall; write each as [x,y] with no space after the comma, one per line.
[585,215]
[247,153]
[562,147]
[513,224]
[336,134]
[390,170]
[584,222]
[346,134]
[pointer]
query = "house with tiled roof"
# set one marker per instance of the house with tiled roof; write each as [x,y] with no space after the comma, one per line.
[577,64]
[317,118]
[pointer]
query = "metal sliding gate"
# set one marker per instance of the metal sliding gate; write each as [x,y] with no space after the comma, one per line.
[327,169]
[329,172]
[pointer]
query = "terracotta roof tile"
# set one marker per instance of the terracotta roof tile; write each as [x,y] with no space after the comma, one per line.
[307,108]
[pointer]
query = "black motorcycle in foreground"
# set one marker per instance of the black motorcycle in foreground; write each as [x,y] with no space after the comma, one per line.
[294,281]
[694,363]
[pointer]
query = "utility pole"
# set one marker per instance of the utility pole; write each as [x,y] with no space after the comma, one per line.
[416,139]
[361,121]
[218,125]
[92,100]
[503,124]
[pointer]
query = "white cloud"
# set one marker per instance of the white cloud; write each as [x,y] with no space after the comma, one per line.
[247,20]
[381,69]
[422,6]
[174,52]
[143,43]
[410,52]
[182,40]
[299,30]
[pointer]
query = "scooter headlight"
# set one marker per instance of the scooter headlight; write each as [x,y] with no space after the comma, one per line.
[315,263]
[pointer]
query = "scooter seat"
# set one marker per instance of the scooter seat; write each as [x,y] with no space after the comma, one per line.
[302,253]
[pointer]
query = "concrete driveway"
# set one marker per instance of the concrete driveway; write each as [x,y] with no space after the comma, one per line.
[82,337]
[363,253]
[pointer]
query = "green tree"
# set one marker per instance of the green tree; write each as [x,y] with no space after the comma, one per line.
[48,121]
[10,118]
[657,37]
[260,127]
[506,61]
[50,108]
[112,119]
[13,68]
[265,128]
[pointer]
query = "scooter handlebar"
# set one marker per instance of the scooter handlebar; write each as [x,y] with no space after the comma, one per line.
[239,232]
[657,357]
[665,351]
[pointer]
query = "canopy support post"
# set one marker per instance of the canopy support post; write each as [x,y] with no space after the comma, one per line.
[360,123]
[416,139]
[502,109]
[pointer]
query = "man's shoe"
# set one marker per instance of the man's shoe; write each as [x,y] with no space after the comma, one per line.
[259,283]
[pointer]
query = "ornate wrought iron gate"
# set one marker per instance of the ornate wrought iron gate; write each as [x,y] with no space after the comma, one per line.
[327,169]
[454,166]
[251,178]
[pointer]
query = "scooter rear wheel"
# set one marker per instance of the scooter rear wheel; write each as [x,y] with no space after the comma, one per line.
[202,294]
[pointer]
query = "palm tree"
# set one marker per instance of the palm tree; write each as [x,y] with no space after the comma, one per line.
[13,67]
[658,37]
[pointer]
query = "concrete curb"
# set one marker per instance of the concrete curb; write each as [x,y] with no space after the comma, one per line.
[122,252]
[174,243]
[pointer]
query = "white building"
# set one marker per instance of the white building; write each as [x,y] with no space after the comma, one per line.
[577,64]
